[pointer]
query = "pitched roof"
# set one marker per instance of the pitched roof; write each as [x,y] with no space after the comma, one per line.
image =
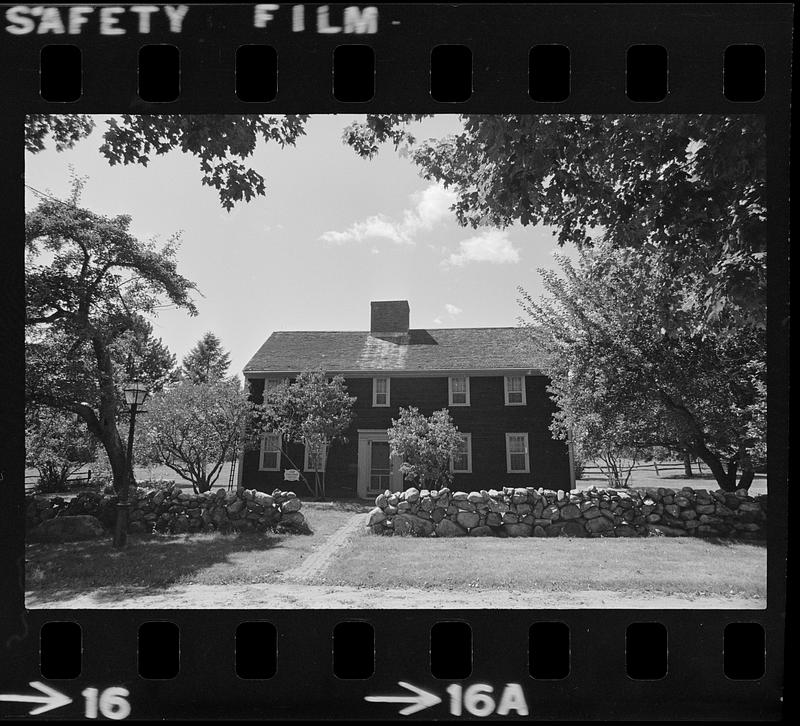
[442,349]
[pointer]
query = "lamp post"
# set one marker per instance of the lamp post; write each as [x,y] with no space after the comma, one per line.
[135,395]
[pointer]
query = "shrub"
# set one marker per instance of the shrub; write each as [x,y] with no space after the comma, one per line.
[426,446]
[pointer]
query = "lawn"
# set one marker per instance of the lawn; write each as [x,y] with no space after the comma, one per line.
[367,570]
[63,570]
[671,480]
[656,565]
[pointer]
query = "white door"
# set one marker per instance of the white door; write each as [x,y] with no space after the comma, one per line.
[378,470]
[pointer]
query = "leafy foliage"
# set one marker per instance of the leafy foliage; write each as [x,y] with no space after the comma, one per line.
[314,410]
[63,371]
[58,445]
[426,445]
[89,285]
[206,361]
[194,428]
[635,363]
[366,137]
[65,131]
[220,142]
[691,186]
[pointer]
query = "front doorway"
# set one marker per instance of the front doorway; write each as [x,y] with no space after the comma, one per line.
[377,469]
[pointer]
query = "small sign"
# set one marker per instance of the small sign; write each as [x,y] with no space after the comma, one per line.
[291,475]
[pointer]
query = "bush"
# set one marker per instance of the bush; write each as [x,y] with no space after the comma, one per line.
[425,445]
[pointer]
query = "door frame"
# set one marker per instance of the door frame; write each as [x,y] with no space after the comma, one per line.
[365,437]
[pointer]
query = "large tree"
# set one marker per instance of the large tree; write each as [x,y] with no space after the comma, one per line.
[314,410]
[636,363]
[207,361]
[194,428]
[89,284]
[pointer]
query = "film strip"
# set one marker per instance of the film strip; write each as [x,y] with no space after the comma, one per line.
[85,636]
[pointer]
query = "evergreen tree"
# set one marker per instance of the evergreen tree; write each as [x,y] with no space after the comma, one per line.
[207,362]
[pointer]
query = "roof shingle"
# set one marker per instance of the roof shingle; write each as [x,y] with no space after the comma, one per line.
[425,350]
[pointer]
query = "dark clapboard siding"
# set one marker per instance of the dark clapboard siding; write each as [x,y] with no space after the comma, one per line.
[488,419]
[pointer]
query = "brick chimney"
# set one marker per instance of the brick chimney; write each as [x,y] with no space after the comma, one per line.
[389,319]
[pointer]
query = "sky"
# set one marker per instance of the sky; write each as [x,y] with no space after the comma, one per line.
[333,233]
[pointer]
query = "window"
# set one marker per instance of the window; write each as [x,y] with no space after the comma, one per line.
[517,459]
[380,391]
[515,390]
[461,463]
[270,453]
[271,383]
[315,458]
[459,390]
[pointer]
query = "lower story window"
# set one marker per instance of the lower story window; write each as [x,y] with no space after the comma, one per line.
[270,453]
[462,459]
[517,456]
[315,458]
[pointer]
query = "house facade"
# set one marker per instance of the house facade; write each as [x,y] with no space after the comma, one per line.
[486,377]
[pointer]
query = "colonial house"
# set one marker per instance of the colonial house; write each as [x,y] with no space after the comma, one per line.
[488,378]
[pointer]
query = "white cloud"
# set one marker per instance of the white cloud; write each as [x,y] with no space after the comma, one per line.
[377,226]
[437,321]
[430,207]
[453,309]
[491,245]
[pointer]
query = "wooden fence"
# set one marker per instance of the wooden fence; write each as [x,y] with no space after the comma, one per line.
[660,467]
[80,478]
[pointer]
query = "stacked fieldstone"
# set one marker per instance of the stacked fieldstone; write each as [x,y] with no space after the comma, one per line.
[525,512]
[172,510]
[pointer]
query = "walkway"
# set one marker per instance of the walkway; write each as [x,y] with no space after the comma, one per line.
[316,563]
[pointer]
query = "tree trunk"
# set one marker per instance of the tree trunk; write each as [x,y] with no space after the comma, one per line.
[121,469]
[747,470]
[687,465]
[116,456]
[697,447]
[746,479]
[725,479]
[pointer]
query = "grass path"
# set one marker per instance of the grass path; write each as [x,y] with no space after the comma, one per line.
[321,557]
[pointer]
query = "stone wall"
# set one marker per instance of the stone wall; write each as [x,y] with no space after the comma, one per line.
[525,512]
[171,510]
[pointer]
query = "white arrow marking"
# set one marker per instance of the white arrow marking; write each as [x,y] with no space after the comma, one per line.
[422,700]
[50,700]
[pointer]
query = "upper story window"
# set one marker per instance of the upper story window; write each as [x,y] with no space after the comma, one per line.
[515,390]
[380,392]
[270,458]
[315,458]
[458,387]
[270,384]
[461,463]
[517,456]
